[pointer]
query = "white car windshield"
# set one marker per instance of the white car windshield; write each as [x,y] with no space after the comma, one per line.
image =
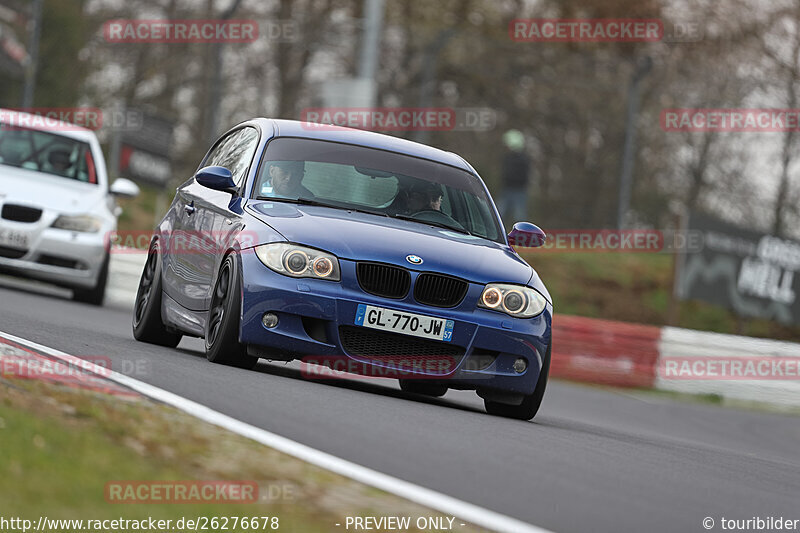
[46,152]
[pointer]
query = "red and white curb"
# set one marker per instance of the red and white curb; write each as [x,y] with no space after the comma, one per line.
[16,361]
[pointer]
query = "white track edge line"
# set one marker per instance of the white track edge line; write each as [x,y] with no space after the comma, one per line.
[469,512]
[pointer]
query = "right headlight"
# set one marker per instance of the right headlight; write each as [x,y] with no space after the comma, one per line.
[299,261]
[518,301]
[80,223]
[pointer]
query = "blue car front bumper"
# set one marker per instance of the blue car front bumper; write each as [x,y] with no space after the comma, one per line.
[317,318]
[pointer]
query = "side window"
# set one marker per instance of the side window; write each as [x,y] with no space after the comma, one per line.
[221,150]
[235,152]
[242,155]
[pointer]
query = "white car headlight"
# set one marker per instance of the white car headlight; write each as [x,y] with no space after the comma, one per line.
[81,223]
[299,261]
[515,300]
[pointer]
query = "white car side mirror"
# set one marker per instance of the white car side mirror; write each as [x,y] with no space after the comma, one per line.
[124,188]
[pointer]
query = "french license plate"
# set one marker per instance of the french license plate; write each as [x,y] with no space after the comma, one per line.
[427,327]
[13,238]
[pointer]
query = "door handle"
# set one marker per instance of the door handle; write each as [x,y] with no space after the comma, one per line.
[189,209]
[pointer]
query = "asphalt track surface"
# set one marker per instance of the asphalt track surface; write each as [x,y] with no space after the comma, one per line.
[593,459]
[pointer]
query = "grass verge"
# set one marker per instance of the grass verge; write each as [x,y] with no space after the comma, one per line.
[61,446]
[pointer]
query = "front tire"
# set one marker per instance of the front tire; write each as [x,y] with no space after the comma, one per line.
[222,326]
[530,404]
[147,323]
[97,294]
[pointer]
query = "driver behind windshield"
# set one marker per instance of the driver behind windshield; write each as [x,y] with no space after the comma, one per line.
[285,180]
[58,162]
[424,196]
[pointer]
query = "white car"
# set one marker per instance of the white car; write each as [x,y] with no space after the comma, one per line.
[57,212]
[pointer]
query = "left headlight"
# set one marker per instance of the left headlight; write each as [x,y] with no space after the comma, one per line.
[518,301]
[299,261]
[81,223]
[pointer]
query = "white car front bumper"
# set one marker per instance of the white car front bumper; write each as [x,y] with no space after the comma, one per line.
[67,258]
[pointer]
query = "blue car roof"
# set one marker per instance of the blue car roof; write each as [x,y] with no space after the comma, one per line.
[370,139]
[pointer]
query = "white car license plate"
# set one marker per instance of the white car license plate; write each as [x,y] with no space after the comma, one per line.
[13,238]
[427,327]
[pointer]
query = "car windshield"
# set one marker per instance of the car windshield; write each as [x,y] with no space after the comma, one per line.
[46,152]
[385,183]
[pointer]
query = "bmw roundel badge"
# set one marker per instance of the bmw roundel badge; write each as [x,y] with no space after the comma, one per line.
[414,259]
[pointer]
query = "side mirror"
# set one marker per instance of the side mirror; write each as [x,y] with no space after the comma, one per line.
[124,188]
[526,235]
[217,178]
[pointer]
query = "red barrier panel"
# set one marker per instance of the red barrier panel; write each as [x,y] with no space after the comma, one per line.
[605,352]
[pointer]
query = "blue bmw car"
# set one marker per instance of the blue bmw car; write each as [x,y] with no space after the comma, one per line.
[301,241]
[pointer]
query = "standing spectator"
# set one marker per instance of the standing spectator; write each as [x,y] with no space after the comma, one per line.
[515,173]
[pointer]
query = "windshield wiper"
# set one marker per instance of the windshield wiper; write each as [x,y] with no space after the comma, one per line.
[437,224]
[316,203]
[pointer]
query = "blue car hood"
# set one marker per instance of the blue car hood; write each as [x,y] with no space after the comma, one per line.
[364,237]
